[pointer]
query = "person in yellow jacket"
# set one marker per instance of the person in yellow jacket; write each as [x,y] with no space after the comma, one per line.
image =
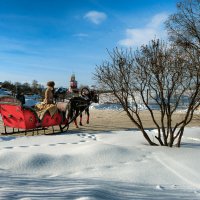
[49,93]
[48,102]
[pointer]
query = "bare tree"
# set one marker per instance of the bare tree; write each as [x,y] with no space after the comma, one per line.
[184,26]
[117,75]
[36,87]
[169,75]
[157,73]
[184,30]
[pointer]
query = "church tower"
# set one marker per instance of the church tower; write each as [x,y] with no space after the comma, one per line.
[73,83]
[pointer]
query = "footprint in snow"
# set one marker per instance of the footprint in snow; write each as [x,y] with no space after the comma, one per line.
[159,187]
[62,143]
[52,144]
[8,147]
[82,141]
[23,146]
[83,135]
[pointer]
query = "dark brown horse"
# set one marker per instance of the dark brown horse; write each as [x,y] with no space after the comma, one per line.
[77,105]
[80,104]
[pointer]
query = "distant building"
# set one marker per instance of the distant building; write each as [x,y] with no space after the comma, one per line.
[73,87]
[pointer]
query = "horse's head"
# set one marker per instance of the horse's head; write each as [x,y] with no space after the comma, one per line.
[90,95]
[94,97]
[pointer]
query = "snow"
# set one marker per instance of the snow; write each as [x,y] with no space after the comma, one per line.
[104,165]
[106,106]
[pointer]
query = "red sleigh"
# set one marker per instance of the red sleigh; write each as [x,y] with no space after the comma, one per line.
[24,118]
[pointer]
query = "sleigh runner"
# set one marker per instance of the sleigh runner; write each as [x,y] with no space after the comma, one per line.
[25,119]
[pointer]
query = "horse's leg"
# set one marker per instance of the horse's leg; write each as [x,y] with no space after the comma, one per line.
[81,116]
[88,115]
[75,123]
[80,123]
[75,120]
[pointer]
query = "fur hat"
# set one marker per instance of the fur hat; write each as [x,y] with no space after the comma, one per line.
[50,83]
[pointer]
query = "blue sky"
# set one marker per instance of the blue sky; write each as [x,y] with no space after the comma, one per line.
[51,39]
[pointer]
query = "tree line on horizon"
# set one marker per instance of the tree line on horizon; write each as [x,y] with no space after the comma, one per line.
[26,88]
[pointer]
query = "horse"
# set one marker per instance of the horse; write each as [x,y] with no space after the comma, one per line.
[81,104]
[76,105]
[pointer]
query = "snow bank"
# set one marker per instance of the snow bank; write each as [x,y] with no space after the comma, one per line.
[109,165]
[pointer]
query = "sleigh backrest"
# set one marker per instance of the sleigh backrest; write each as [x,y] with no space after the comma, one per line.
[9,100]
[15,115]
